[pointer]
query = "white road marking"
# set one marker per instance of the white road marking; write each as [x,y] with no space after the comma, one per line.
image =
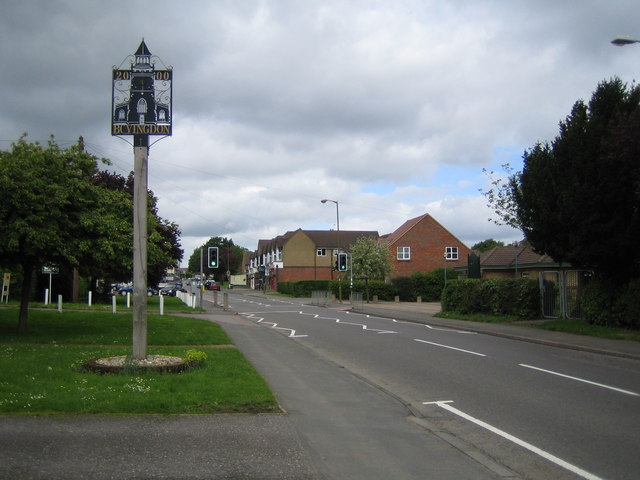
[548,456]
[292,332]
[465,332]
[627,392]
[452,348]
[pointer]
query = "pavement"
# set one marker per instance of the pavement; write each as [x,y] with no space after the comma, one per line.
[324,434]
[523,330]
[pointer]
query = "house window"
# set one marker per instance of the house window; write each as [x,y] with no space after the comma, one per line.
[321,252]
[451,253]
[404,253]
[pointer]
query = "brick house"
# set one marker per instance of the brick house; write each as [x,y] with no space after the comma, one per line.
[422,245]
[419,245]
[299,255]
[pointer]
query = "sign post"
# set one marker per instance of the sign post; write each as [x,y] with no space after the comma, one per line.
[6,281]
[141,106]
[49,270]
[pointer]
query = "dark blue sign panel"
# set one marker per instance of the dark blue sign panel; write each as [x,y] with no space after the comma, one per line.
[141,101]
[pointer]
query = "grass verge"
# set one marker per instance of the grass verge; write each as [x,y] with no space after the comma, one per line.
[42,373]
[171,304]
[582,328]
[578,327]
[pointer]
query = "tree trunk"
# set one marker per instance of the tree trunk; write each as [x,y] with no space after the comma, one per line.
[23,318]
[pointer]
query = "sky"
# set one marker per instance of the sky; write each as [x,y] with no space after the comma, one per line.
[391,108]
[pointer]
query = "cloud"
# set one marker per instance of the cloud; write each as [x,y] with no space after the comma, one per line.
[391,108]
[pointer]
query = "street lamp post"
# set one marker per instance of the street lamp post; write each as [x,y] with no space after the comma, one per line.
[337,241]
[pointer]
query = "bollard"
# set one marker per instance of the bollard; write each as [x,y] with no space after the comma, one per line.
[215,298]
[375,299]
[419,299]
[396,299]
[46,296]
[128,300]
[113,304]
[90,297]
[161,304]
[225,297]
[60,303]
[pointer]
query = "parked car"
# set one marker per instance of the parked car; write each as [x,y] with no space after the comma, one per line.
[171,290]
[129,289]
[212,285]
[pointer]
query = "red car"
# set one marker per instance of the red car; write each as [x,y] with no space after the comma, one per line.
[211,285]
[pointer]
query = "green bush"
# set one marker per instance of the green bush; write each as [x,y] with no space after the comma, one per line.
[384,291]
[629,306]
[405,288]
[520,297]
[303,288]
[606,304]
[195,357]
[429,285]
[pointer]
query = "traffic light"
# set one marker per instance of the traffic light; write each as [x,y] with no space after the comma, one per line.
[212,257]
[342,262]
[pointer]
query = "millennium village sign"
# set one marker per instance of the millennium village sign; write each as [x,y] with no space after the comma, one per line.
[141,100]
[141,106]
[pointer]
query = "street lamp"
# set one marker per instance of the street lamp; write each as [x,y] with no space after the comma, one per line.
[622,41]
[337,213]
[337,241]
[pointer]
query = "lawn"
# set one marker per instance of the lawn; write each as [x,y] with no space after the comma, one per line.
[42,373]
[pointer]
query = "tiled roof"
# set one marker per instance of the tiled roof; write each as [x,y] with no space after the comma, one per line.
[391,238]
[322,238]
[506,257]
[330,239]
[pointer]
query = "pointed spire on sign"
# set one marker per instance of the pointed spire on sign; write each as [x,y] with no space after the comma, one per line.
[143,50]
[143,55]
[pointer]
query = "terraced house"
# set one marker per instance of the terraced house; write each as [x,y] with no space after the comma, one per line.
[418,245]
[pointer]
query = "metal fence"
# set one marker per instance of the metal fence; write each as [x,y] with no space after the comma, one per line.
[561,292]
[320,297]
[356,297]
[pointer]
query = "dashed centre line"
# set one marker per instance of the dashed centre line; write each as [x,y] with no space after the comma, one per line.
[616,389]
[450,347]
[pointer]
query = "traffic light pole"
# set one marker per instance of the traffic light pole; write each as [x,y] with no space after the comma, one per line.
[140,180]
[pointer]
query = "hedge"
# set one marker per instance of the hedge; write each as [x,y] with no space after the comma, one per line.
[303,288]
[503,296]
[604,303]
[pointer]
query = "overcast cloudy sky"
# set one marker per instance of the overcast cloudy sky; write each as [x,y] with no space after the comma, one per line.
[392,108]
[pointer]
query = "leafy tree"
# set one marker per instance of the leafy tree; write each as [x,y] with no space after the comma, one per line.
[578,197]
[229,256]
[370,260]
[58,208]
[46,192]
[110,245]
[486,245]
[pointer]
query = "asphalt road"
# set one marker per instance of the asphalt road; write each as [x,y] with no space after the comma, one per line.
[540,411]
